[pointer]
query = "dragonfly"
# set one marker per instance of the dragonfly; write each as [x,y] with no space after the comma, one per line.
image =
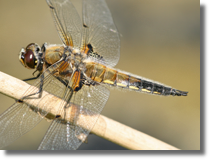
[80,72]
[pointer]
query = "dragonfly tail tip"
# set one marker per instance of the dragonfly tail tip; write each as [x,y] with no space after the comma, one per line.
[181,93]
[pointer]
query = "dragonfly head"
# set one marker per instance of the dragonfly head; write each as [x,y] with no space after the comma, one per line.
[29,56]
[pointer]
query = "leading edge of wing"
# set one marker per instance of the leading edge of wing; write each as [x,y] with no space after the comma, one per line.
[100,30]
[67,22]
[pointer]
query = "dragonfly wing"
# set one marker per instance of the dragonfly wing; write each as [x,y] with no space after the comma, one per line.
[100,31]
[67,21]
[21,117]
[86,106]
[16,121]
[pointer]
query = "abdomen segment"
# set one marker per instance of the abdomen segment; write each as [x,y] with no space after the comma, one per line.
[105,75]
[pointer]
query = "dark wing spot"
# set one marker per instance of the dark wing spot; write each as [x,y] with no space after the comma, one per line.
[90,47]
[51,7]
[20,101]
[84,25]
[57,116]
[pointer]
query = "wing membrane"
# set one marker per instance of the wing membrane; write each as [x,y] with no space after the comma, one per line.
[87,102]
[16,121]
[67,21]
[67,134]
[22,117]
[101,31]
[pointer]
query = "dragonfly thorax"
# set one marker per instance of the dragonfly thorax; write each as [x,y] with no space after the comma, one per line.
[77,58]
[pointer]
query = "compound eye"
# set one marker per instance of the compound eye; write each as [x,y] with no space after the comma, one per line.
[29,58]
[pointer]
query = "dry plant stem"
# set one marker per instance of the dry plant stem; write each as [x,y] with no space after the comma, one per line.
[105,127]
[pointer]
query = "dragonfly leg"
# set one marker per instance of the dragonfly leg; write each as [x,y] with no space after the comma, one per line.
[33,78]
[39,92]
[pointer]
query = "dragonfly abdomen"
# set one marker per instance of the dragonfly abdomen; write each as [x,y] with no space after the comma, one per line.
[106,75]
[136,83]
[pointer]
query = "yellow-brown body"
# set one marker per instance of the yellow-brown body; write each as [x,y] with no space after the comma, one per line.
[102,74]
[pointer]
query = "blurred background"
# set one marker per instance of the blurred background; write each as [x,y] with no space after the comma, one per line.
[160,40]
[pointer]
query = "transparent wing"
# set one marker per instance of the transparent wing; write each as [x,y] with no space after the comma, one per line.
[100,31]
[22,117]
[85,107]
[16,121]
[67,21]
